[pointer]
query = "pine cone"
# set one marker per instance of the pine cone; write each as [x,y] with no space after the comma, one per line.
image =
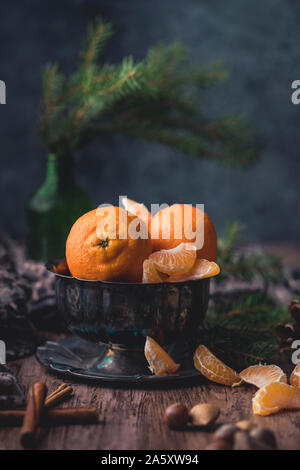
[285,335]
[294,309]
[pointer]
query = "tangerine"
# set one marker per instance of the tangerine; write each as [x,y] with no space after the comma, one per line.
[100,246]
[182,223]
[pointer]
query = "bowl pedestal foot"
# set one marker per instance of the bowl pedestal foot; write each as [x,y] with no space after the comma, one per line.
[78,358]
[117,361]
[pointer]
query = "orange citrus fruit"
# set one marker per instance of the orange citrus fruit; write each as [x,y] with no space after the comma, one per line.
[201,270]
[101,246]
[182,223]
[138,209]
[261,375]
[214,369]
[150,274]
[295,376]
[178,260]
[159,360]
[61,268]
[274,397]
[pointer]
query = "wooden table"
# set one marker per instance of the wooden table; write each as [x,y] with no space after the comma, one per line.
[132,419]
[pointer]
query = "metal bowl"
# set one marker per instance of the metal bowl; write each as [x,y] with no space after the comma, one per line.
[111,320]
[123,314]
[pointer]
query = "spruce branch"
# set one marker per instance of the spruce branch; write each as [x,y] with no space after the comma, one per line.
[240,323]
[240,331]
[97,35]
[240,347]
[242,265]
[52,84]
[254,310]
[157,99]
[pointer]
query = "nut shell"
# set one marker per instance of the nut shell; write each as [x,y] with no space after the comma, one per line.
[176,416]
[204,414]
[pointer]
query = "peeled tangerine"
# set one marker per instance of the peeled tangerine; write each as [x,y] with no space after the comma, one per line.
[138,209]
[295,377]
[178,260]
[274,397]
[261,375]
[150,274]
[214,369]
[160,362]
[201,270]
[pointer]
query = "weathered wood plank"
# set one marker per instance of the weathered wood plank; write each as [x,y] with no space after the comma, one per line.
[132,419]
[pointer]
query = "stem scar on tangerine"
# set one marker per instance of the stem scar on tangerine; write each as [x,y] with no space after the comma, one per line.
[104,243]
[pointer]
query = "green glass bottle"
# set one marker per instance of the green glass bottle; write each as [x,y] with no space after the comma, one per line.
[53,209]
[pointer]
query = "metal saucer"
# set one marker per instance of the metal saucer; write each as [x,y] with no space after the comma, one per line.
[78,358]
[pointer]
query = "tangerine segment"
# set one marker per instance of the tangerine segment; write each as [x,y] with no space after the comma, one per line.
[261,375]
[159,361]
[138,209]
[214,369]
[201,270]
[150,274]
[295,377]
[178,260]
[274,397]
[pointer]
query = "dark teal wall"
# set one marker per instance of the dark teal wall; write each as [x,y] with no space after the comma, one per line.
[259,44]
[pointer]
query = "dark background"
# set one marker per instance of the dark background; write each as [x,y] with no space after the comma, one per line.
[259,44]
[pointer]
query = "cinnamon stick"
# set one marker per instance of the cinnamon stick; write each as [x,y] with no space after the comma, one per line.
[62,392]
[61,387]
[36,399]
[12,417]
[68,416]
[57,417]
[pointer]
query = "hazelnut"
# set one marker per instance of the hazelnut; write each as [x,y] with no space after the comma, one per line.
[246,425]
[218,444]
[242,441]
[225,433]
[263,436]
[176,416]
